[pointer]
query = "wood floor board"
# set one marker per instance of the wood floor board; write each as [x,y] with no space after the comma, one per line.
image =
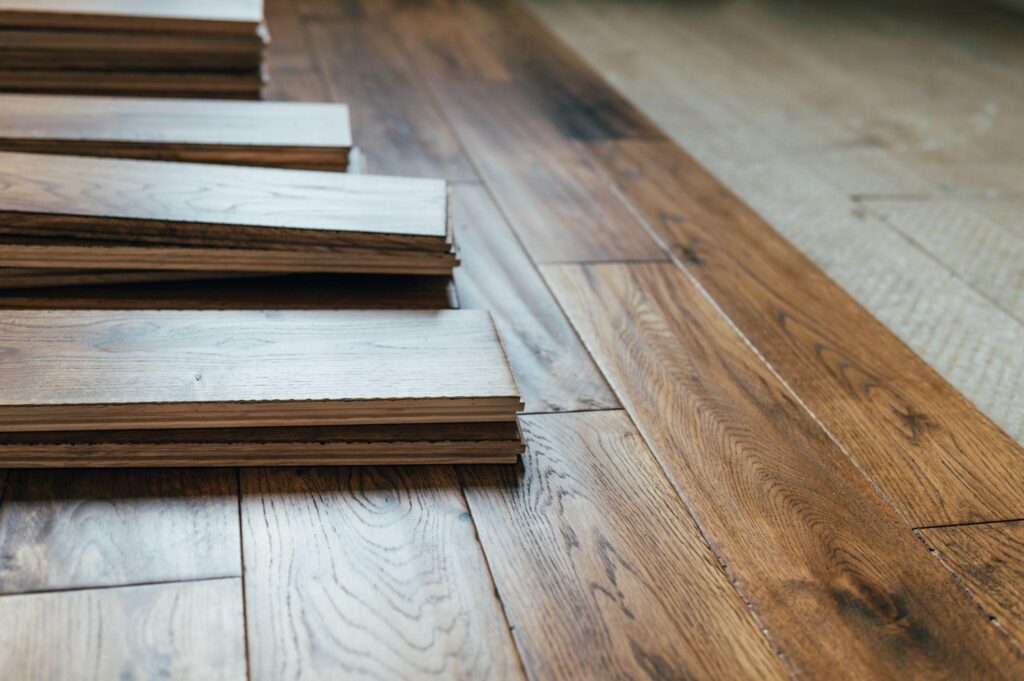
[804,534]
[280,134]
[467,443]
[601,571]
[191,631]
[73,529]
[989,559]
[368,573]
[136,200]
[935,456]
[184,369]
[197,16]
[294,71]
[397,124]
[553,370]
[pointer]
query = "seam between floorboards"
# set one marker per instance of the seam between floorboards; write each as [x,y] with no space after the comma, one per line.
[969,524]
[125,585]
[241,566]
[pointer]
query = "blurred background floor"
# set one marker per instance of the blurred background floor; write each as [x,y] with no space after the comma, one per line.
[884,139]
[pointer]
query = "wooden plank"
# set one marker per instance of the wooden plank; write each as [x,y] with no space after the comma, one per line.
[601,571]
[553,370]
[368,573]
[292,66]
[181,631]
[989,559]
[153,84]
[76,529]
[196,16]
[281,134]
[146,200]
[807,538]
[185,369]
[297,292]
[303,446]
[16,278]
[934,456]
[399,129]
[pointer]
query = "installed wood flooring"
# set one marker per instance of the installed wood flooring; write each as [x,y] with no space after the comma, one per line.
[733,471]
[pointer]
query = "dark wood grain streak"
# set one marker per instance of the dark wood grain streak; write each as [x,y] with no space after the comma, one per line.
[936,457]
[553,370]
[368,573]
[75,529]
[989,558]
[806,537]
[600,569]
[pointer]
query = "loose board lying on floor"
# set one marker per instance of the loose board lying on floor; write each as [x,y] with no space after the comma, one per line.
[312,136]
[104,370]
[498,442]
[194,16]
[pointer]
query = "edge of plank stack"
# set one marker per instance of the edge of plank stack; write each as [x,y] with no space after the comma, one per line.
[173,387]
[187,48]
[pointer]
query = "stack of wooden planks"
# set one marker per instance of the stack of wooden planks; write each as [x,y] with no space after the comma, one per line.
[216,387]
[134,220]
[181,48]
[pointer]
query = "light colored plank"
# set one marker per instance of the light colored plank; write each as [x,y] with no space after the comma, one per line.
[989,558]
[600,569]
[226,16]
[368,574]
[188,631]
[175,203]
[807,538]
[551,366]
[78,369]
[76,529]
[281,134]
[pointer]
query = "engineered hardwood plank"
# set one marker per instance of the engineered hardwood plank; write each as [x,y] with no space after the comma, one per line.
[601,571]
[280,134]
[297,292]
[184,369]
[368,573]
[303,446]
[16,278]
[154,84]
[74,529]
[933,454]
[188,631]
[399,127]
[804,535]
[195,204]
[989,559]
[553,370]
[194,16]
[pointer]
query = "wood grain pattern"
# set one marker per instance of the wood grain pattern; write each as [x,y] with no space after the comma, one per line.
[808,539]
[367,573]
[189,631]
[294,73]
[76,529]
[199,16]
[551,366]
[303,446]
[82,370]
[296,292]
[935,457]
[600,569]
[399,129]
[142,84]
[315,136]
[989,558]
[70,196]
[17,278]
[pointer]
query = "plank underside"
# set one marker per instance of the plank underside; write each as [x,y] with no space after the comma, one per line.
[80,370]
[135,200]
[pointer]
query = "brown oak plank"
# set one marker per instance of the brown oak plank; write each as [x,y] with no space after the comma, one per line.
[553,370]
[280,134]
[397,125]
[805,535]
[187,631]
[600,569]
[934,455]
[989,559]
[73,529]
[366,574]
[294,73]
[83,370]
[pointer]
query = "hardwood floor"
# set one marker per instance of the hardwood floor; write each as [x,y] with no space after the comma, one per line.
[734,467]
